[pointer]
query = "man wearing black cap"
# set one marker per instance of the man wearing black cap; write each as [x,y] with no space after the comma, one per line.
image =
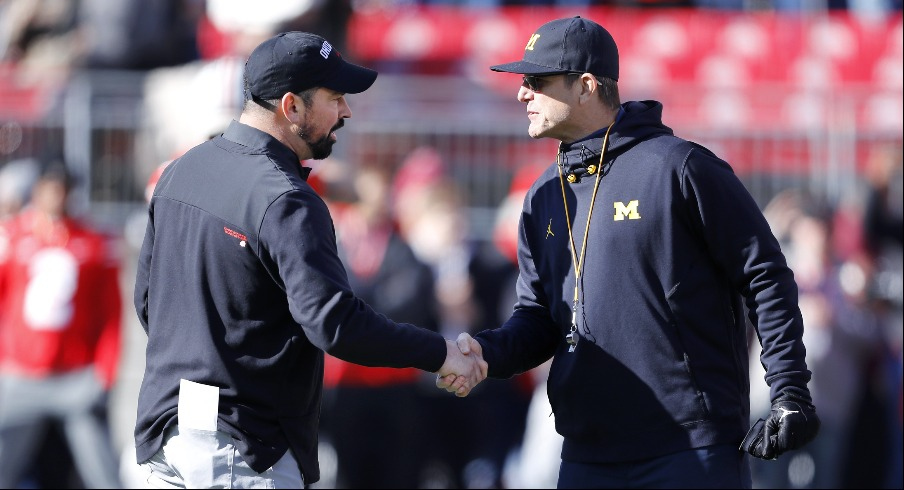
[240,289]
[638,253]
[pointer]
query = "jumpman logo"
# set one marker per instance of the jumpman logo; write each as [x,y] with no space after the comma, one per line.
[549,229]
[786,412]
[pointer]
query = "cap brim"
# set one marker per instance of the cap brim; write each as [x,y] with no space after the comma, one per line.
[526,68]
[350,79]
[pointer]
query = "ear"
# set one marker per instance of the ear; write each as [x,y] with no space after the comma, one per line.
[292,107]
[589,86]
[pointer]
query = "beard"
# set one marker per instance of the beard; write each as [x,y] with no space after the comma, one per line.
[320,147]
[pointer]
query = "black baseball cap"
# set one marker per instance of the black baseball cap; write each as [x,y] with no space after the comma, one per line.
[296,61]
[570,45]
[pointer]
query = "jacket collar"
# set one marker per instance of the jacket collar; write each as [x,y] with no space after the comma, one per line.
[582,157]
[257,140]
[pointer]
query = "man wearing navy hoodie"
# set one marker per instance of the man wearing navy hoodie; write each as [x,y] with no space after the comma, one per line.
[638,252]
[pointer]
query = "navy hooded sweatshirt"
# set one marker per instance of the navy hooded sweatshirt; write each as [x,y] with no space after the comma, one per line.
[676,249]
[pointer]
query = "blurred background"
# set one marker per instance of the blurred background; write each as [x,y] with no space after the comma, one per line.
[804,98]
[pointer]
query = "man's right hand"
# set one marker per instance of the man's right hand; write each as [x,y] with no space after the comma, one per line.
[464,367]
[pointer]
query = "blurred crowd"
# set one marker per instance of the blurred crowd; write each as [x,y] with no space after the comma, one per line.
[847,260]
[142,35]
[404,235]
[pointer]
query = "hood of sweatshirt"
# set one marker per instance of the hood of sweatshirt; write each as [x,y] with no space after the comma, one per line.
[636,122]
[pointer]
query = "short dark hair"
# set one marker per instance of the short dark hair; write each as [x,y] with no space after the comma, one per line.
[608,89]
[58,171]
[307,97]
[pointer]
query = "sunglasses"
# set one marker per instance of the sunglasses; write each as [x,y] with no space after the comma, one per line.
[533,83]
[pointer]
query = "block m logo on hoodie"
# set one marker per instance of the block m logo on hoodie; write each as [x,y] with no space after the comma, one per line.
[630,210]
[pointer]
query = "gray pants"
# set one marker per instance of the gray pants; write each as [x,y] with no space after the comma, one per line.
[192,458]
[78,401]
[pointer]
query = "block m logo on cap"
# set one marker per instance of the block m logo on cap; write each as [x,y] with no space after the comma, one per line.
[531,42]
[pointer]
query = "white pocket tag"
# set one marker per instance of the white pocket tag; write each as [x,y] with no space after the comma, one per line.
[198,404]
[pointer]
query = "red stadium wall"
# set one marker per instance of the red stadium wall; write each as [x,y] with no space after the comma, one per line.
[729,68]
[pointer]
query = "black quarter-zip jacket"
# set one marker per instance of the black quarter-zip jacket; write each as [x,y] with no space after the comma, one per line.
[676,246]
[239,286]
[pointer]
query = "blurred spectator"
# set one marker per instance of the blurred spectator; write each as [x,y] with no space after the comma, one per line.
[38,28]
[493,269]
[496,291]
[844,335]
[883,230]
[60,322]
[536,463]
[41,38]
[470,284]
[883,221]
[327,18]
[52,465]
[58,35]
[371,414]
[16,180]
[139,34]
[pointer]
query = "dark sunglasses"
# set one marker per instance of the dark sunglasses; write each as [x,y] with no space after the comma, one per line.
[534,84]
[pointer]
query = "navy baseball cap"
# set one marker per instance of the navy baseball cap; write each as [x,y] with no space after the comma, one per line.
[296,61]
[570,45]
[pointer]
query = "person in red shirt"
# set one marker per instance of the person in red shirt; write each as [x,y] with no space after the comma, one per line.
[373,415]
[60,326]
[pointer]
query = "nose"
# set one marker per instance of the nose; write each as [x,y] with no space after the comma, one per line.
[344,110]
[525,94]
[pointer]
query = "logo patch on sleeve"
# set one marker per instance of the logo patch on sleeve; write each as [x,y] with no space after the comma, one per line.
[235,234]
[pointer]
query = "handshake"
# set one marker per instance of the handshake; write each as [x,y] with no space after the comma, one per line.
[464,367]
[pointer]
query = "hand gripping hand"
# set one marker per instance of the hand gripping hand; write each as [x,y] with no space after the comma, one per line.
[792,423]
[464,367]
[457,381]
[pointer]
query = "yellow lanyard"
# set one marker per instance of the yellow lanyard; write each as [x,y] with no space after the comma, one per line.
[572,338]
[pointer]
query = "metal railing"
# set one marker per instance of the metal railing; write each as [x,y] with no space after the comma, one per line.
[481,135]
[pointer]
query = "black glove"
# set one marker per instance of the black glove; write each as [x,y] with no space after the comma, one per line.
[791,424]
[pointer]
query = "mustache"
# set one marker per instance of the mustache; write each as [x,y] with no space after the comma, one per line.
[338,125]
